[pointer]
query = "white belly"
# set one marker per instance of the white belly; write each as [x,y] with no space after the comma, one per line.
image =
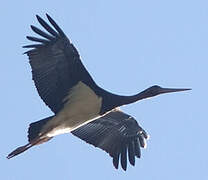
[82,106]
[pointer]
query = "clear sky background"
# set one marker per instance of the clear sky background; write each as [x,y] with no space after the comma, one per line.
[127,46]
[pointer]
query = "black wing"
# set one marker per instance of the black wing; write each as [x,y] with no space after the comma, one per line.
[56,64]
[116,133]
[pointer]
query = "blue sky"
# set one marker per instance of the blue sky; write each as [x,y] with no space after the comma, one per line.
[127,46]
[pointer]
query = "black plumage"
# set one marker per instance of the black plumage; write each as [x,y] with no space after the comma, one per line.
[79,105]
[56,65]
[116,133]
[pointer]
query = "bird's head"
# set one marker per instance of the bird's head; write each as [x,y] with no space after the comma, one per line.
[156,90]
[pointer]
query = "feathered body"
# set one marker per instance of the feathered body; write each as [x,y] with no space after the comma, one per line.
[79,105]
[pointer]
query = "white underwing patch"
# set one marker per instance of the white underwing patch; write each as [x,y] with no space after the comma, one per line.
[82,106]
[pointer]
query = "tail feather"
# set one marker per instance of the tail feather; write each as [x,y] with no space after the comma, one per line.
[34,137]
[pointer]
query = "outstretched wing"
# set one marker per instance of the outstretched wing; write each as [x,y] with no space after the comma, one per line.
[116,133]
[56,64]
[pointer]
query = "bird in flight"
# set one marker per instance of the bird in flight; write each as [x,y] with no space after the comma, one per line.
[79,105]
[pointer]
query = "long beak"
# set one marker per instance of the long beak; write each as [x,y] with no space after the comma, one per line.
[170,90]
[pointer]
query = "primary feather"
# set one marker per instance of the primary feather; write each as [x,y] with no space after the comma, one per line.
[116,133]
[56,65]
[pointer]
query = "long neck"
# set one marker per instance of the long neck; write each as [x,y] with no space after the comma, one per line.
[111,100]
[123,100]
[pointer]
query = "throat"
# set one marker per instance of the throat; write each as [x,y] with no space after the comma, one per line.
[112,101]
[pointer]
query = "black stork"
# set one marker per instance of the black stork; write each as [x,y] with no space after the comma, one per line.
[79,105]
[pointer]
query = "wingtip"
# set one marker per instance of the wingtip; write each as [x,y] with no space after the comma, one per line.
[26,52]
[38,18]
[32,27]
[132,163]
[125,169]
[116,167]
[116,162]
[48,16]
[28,37]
